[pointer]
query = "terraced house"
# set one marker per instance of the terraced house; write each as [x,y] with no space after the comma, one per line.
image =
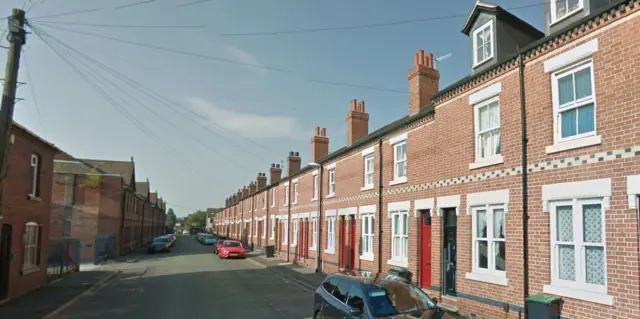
[521,178]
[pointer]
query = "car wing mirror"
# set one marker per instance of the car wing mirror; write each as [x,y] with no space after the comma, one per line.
[435,300]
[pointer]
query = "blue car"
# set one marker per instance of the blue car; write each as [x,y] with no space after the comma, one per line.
[209,239]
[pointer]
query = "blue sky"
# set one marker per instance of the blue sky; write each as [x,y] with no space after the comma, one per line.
[196,161]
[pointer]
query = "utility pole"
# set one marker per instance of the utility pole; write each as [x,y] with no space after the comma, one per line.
[17,38]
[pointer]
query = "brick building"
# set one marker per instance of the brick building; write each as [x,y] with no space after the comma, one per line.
[442,191]
[25,210]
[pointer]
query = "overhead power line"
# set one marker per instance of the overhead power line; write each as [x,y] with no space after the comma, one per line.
[217,59]
[64,14]
[134,4]
[133,26]
[365,26]
[193,3]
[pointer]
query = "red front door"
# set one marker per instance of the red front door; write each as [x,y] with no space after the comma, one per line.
[352,244]
[425,249]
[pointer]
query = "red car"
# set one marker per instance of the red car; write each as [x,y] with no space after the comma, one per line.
[231,249]
[217,245]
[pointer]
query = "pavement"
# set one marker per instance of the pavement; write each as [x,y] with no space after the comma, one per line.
[188,282]
[304,276]
[41,302]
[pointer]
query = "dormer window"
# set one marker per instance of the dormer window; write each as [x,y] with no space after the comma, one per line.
[561,9]
[483,43]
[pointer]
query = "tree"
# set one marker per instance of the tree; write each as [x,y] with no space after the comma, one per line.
[197,219]
[171,219]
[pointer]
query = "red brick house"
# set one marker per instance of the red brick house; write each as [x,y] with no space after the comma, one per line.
[443,191]
[26,204]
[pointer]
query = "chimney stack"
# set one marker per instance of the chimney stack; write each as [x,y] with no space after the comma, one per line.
[293,163]
[239,195]
[357,122]
[319,144]
[235,199]
[252,188]
[423,81]
[261,180]
[245,192]
[275,173]
[226,202]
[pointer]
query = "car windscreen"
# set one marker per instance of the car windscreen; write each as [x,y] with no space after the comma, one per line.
[379,303]
[209,237]
[406,298]
[160,240]
[231,244]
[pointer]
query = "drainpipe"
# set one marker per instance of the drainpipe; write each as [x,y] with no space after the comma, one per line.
[525,189]
[289,230]
[319,220]
[380,190]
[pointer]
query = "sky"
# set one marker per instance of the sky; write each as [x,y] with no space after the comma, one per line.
[201,106]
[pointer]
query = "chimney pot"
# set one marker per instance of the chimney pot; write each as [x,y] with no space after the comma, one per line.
[297,154]
[293,163]
[353,105]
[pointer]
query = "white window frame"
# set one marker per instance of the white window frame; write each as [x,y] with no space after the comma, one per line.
[555,19]
[294,242]
[491,159]
[30,243]
[285,238]
[273,197]
[264,228]
[264,200]
[367,236]
[397,179]
[367,173]
[490,274]
[316,185]
[273,228]
[488,25]
[34,166]
[314,237]
[557,123]
[401,257]
[332,182]
[295,193]
[286,195]
[331,235]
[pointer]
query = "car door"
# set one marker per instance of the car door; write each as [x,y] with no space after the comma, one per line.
[340,308]
[355,300]
[327,300]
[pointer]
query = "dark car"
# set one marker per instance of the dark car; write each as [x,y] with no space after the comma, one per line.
[159,244]
[351,295]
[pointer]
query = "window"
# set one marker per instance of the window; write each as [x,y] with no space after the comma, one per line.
[400,161]
[331,234]
[561,9]
[489,254]
[578,245]
[264,201]
[285,226]
[273,197]
[332,181]
[255,206]
[34,176]
[286,195]
[574,102]
[273,228]
[400,236]
[314,237]
[31,246]
[368,171]
[482,43]
[487,127]
[295,193]
[367,236]
[295,233]
[315,187]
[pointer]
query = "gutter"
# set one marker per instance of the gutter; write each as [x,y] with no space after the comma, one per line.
[525,188]
[380,190]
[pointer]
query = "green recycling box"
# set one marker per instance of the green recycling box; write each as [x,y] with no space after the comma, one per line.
[543,307]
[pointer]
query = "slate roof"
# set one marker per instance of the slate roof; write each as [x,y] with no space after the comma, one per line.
[142,188]
[501,14]
[122,168]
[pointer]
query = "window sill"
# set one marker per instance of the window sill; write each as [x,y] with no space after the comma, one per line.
[368,257]
[573,144]
[398,181]
[366,188]
[294,203]
[29,270]
[331,195]
[589,296]
[489,278]
[294,245]
[314,199]
[493,160]
[398,263]
[313,248]
[35,198]
[329,251]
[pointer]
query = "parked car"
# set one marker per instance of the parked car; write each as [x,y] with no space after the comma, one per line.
[231,249]
[209,239]
[185,232]
[199,237]
[159,244]
[351,295]
[217,245]
[172,239]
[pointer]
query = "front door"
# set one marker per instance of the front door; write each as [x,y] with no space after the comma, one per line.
[352,242]
[449,251]
[5,260]
[425,249]
[342,242]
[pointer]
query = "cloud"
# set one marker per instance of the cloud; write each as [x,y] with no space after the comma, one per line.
[243,56]
[247,124]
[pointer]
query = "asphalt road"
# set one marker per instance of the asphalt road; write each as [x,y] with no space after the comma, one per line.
[190,282]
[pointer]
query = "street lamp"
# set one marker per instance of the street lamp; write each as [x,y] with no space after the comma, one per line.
[318,260]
